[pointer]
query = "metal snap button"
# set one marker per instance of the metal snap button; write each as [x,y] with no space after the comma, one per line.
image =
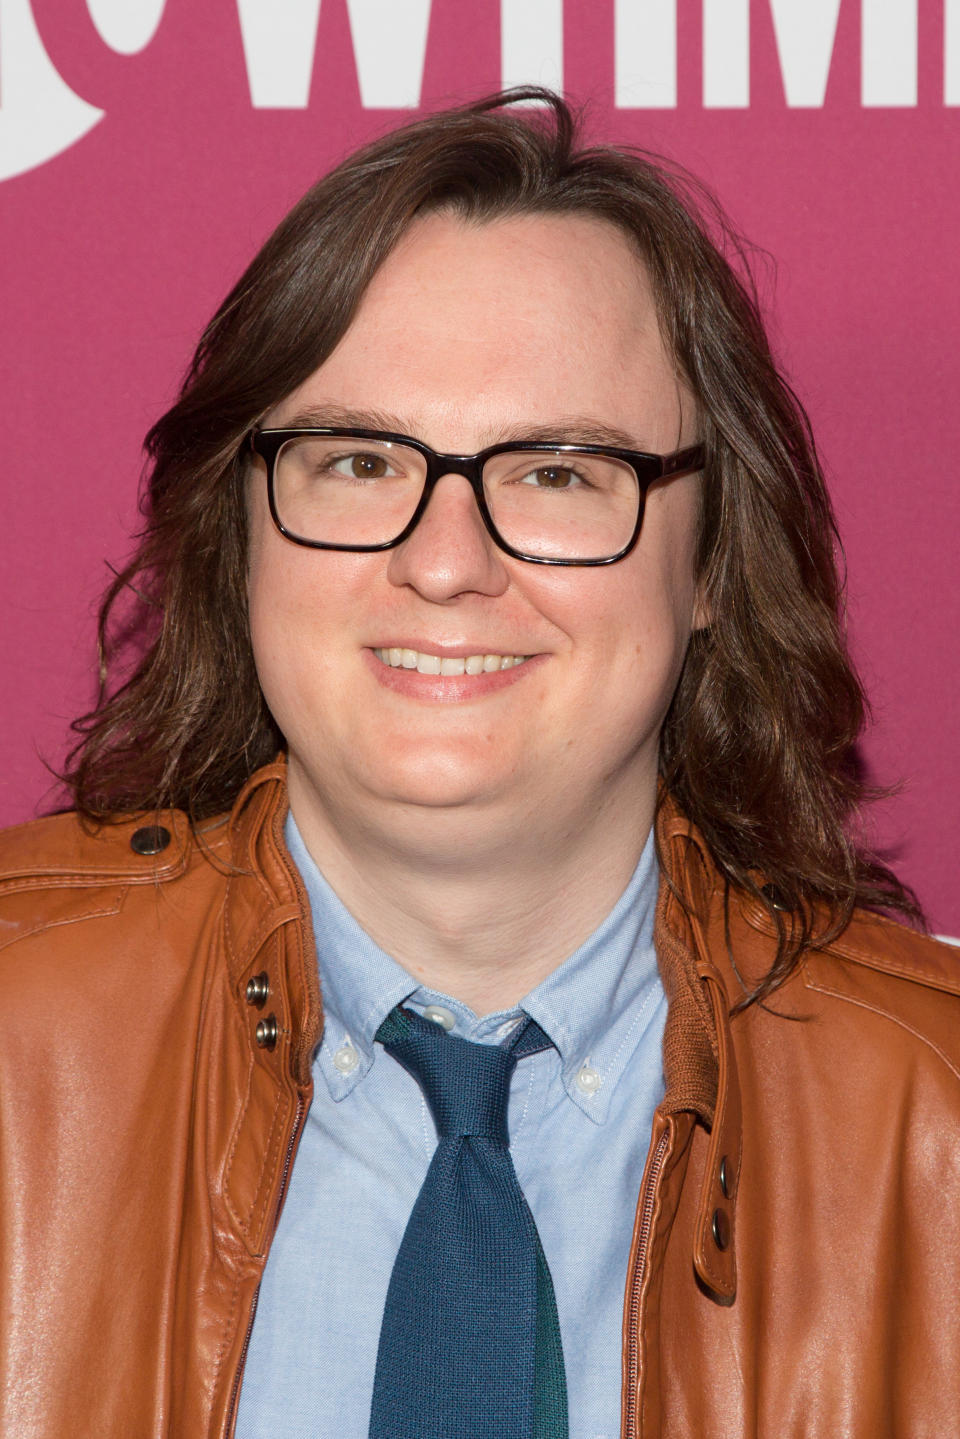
[267,1032]
[774,896]
[151,839]
[726,1184]
[721,1228]
[258,989]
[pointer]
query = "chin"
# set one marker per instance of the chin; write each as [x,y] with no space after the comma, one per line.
[434,780]
[433,792]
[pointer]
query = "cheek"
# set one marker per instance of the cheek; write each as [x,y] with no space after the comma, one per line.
[287,590]
[272,597]
[639,621]
[643,614]
[666,557]
[303,608]
[271,624]
[652,632]
[286,610]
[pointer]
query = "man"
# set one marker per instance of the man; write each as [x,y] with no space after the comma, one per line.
[484,507]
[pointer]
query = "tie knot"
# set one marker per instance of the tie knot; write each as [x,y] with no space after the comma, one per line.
[466,1085]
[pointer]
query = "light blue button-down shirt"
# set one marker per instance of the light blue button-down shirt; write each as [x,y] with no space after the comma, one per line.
[580,1118]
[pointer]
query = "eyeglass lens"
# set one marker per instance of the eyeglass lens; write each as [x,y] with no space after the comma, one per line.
[552,504]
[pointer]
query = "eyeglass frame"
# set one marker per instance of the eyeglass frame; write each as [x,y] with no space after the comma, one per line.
[267,442]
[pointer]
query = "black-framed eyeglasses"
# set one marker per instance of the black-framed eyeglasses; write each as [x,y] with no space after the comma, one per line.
[551,504]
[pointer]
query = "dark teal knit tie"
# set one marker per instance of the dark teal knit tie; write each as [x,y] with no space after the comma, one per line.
[470,1344]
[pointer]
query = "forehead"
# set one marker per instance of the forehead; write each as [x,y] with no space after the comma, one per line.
[470,327]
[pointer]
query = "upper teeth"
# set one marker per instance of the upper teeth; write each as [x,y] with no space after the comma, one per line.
[435,665]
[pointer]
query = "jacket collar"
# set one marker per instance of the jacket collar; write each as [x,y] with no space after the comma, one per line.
[698,1055]
[267,928]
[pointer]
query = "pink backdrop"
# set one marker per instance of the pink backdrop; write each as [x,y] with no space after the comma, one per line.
[147,149]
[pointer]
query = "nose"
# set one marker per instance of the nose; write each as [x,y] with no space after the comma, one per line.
[450,552]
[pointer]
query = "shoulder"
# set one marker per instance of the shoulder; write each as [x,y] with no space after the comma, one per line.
[60,871]
[905,983]
[64,849]
[882,985]
[886,947]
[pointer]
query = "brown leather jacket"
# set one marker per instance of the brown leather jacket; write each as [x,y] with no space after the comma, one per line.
[794,1268]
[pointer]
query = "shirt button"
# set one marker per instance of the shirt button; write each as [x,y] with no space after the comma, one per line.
[588,1080]
[346,1059]
[440,1015]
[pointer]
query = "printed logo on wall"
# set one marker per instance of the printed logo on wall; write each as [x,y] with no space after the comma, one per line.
[41,115]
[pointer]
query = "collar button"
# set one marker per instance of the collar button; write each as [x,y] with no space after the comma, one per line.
[440,1015]
[345,1059]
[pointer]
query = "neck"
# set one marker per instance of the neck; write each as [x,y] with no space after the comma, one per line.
[484,922]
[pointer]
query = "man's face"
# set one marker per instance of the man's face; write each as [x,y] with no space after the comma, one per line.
[471,334]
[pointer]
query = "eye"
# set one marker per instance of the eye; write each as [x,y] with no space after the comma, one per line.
[365,465]
[552,477]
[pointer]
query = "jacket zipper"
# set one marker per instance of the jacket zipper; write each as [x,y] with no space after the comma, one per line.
[648,1203]
[281,1195]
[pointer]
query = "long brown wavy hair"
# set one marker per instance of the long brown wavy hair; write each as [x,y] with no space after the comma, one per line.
[759,745]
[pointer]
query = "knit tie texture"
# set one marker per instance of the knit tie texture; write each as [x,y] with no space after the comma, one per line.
[470,1343]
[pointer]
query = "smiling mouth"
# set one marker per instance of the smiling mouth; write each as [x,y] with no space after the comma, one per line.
[427,664]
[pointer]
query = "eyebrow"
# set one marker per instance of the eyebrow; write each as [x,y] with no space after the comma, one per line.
[566,430]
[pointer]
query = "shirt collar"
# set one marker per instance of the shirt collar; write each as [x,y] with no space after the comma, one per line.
[595,1007]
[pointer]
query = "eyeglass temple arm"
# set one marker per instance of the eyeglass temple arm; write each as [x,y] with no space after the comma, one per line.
[684,462]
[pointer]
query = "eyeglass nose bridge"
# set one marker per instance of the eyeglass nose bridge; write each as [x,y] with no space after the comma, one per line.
[470,467]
